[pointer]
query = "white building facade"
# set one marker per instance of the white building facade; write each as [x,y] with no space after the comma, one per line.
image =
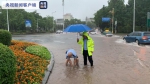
[68,16]
[89,19]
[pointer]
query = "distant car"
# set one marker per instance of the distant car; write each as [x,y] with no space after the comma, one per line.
[140,37]
[81,33]
[58,32]
[61,31]
[93,32]
[107,33]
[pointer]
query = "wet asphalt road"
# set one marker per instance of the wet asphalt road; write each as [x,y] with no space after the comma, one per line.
[115,62]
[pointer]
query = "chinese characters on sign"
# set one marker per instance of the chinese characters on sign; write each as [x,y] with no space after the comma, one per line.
[24,4]
[20,4]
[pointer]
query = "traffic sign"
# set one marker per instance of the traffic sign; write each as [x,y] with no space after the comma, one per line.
[148,23]
[115,22]
[148,15]
[28,23]
[105,19]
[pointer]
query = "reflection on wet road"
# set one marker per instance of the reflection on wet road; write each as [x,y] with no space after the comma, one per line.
[114,62]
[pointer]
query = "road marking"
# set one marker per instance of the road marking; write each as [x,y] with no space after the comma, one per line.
[120,41]
[147,46]
[140,62]
[102,36]
[116,36]
[134,52]
[59,42]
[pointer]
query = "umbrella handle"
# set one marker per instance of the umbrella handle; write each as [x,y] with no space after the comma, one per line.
[77,35]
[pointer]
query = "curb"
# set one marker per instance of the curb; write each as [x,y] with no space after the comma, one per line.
[49,69]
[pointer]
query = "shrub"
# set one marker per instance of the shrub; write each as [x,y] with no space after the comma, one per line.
[5,37]
[7,65]
[30,68]
[40,51]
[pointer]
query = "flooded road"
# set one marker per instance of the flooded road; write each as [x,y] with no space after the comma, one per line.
[115,62]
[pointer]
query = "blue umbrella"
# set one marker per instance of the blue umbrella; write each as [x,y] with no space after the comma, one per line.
[77,28]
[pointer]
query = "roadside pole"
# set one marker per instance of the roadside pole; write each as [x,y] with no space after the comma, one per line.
[148,21]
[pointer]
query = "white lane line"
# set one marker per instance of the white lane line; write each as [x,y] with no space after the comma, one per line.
[116,36]
[147,46]
[59,42]
[140,62]
[134,52]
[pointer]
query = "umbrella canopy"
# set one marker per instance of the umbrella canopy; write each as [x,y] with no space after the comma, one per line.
[77,28]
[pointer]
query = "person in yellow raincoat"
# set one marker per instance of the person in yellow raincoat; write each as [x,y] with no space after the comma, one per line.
[87,44]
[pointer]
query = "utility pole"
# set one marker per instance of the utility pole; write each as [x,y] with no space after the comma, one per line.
[116,26]
[7,20]
[63,14]
[37,25]
[53,19]
[86,20]
[134,17]
[113,13]
[0,10]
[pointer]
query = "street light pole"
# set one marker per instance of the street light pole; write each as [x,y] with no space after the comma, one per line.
[112,19]
[0,10]
[7,20]
[115,26]
[86,21]
[134,17]
[37,25]
[53,20]
[63,13]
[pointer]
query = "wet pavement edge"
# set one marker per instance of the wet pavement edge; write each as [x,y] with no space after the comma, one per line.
[49,70]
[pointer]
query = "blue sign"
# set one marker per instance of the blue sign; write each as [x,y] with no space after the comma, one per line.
[28,23]
[105,19]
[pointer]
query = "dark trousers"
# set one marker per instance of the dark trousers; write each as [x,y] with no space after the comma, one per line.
[85,56]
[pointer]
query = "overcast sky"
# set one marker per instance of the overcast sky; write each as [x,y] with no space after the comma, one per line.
[78,8]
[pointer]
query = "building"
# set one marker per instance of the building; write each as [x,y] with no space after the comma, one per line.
[59,21]
[68,16]
[89,19]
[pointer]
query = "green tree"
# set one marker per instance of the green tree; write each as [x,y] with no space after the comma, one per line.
[91,24]
[141,9]
[103,12]
[119,12]
[124,15]
[17,19]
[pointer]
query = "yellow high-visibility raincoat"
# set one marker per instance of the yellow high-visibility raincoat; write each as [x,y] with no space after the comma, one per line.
[90,43]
